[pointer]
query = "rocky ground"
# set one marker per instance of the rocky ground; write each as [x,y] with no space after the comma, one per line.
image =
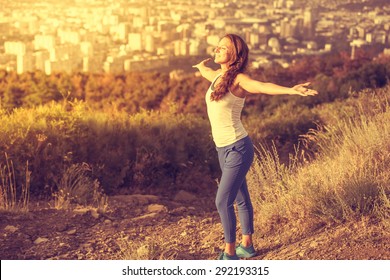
[181,226]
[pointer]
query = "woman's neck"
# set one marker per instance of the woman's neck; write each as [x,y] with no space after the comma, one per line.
[224,68]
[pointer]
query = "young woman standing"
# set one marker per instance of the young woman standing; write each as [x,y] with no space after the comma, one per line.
[225,100]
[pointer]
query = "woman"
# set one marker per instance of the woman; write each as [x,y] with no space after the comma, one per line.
[225,99]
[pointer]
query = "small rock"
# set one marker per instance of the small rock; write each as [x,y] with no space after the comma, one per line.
[11,229]
[107,221]
[207,221]
[135,199]
[157,208]
[95,214]
[80,211]
[184,196]
[40,240]
[71,232]
[178,211]
[150,215]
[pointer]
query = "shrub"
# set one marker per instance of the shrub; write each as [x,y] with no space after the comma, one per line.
[146,150]
[282,126]
[77,186]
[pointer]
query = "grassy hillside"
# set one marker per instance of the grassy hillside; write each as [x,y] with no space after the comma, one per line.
[144,152]
[337,173]
[344,178]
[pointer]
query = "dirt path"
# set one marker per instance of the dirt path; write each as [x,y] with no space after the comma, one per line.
[158,227]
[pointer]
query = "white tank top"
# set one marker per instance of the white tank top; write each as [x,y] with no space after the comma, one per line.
[225,117]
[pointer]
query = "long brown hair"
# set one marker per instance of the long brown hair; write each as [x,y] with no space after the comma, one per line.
[237,64]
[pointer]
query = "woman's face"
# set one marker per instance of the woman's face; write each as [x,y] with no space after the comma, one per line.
[223,51]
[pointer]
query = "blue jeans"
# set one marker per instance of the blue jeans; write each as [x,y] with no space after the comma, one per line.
[235,161]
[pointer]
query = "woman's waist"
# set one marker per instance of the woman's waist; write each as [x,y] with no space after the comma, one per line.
[226,139]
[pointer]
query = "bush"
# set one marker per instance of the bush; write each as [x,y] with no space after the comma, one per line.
[146,150]
[173,149]
[77,186]
[282,126]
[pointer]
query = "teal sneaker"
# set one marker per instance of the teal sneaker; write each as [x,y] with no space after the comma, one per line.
[245,252]
[224,256]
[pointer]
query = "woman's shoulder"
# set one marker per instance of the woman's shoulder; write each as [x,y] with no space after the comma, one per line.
[216,74]
[241,76]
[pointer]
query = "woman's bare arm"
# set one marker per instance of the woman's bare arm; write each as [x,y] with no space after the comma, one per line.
[206,71]
[257,87]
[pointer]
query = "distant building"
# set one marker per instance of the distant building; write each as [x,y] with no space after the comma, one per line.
[279,4]
[40,59]
[252,38]
[181,48]
[67,36]
[28,25]
[114,64]
[25,63]
[135,42]
[46,42]
[309,17]
[83,36]
[86,49]
[138,22]
[328,47]
[16,48]
[145,64]
[289,28]
[93,63]
[380,37]
[110,20]
[197,47]
[123,32]
[149,43]
[358,43]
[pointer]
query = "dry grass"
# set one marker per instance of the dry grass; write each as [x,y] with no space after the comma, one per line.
[8,188]
[348,180]
[77,186]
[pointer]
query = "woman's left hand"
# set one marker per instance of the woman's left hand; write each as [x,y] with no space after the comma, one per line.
[302,90]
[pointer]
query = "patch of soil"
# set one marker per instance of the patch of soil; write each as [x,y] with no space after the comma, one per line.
[164,227]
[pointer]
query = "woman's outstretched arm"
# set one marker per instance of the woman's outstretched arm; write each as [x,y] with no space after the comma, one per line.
[206,71]
[257,87]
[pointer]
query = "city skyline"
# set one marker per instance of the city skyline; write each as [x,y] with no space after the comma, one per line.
[116,36]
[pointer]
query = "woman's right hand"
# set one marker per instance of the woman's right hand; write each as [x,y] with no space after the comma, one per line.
[207,72]
[202,63]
